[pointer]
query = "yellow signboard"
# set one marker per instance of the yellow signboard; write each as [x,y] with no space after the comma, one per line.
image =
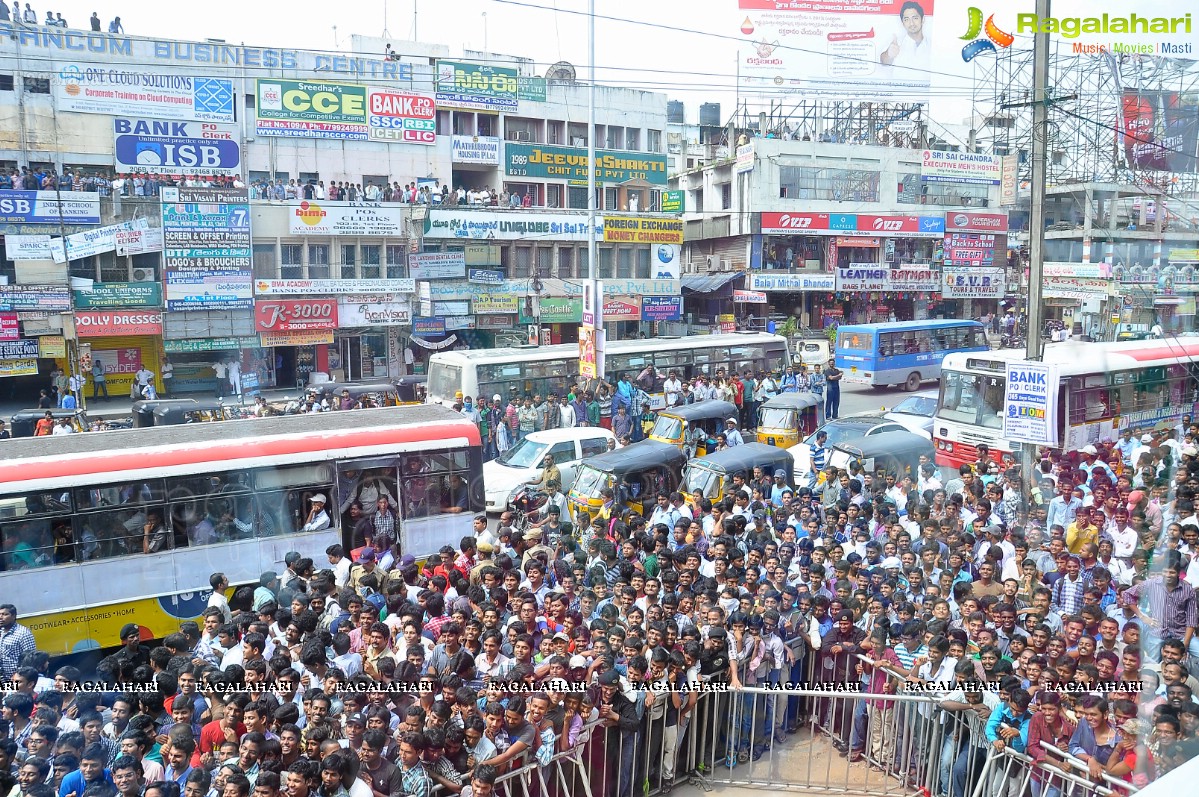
[307,337]
[486,302]
[623,229]
[52,346]
[18,367]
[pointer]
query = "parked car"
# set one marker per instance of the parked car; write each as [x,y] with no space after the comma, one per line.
[840,430]
[525,460]
[915,412]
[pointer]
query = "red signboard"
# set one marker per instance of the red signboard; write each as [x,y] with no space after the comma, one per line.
[8,327]
[783,223]
[888,224]
[621,310]
[103,323]
[995,223]
[294,315]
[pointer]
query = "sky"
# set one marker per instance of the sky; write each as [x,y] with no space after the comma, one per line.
[688,49]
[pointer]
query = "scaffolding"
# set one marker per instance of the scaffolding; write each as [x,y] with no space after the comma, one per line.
[1086,114]
[888,124]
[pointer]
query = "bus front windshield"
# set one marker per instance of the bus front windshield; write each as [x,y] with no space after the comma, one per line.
[971,398]
[702,479]
[589,482]
[777,418]
[444,381]
[667,428]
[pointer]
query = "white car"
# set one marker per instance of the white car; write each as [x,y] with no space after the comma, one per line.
[523,462]
[915,412]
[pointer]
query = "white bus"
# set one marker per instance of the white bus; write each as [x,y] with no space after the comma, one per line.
[543,369]
[1105,387]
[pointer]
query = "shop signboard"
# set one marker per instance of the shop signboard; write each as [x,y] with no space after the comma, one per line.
[545,161]
[483,276]
[744,161]
[103,323]
[373,310]
[49,207]
[119,294]
[481,150]
[482,255]
[556,310]
[402,117]
[913,277]
[428,326]
[341,218]
[483,225]
[960,282]
[494,322]
[1030,403]
[90,243]
[622,308]
[799,224]
[18,349]
[18,367]
[140,240]
[478,86]
[10,326]
[1101,271]
[207,257]
[305,337]
[294,315]
[209,344]
[796,283]
[863,277]
[964,221]
[80,88]
[487,302]
[661,308]
[437,265]
[1010,174]
[46,298]
[310,109]
[51,346]
[941,166]
[640,230]
[858,241]
[900,226]
[176,147]
[33,247]
[672,201]
[750,297]
[969,249]
[333,287]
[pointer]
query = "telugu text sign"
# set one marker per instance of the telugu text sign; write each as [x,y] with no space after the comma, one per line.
[311,109]
[482,225]
[176,147]
[79,88]
[1030,403]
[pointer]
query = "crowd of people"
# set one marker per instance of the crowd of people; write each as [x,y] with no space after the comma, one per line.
[107,184]
[29,17]
[1054,607]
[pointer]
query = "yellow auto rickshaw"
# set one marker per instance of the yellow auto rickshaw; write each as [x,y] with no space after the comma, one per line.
[635,474]
[411,389]
[693,427]
[712,476]
[788,418]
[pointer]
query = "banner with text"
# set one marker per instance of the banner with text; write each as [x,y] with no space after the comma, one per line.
[1030,403]
[207,260]
[631,230]
[117,92]
[167,147]
[484,150]
[49,207]
[333,218]
[570,163]
[958,282]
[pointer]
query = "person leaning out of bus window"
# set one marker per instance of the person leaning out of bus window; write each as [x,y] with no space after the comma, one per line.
[155,535]
[318,518]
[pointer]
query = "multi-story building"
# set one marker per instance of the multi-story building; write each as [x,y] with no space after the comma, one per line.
[842,232]
[296,283]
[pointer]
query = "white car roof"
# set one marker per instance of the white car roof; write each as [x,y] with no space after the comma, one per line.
[551,436]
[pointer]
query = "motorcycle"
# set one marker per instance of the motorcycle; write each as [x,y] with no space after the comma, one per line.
[526,503]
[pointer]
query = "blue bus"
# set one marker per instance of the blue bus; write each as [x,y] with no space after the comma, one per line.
[903,352]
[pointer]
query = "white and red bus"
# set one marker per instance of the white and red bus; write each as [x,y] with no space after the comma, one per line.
[103,529]
[1104,387]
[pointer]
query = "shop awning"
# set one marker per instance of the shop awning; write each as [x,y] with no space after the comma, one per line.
[706,283]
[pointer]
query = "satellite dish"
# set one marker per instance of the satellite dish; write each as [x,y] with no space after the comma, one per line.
[561,72]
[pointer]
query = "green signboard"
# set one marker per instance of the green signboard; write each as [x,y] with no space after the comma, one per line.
[120,294]
[556,310]
[310,109]
[611,166]
[672,201]
[477,80]
[209,344]
[531,88]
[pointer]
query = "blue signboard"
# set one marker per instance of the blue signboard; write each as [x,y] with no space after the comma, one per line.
[191,148]
[661,308]
[932,224]
[428,326]
[843,222]
[41,207]
[485,276]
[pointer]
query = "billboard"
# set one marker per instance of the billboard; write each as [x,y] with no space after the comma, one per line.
[475,149]
[405,117]
[959,282]
[938,166]
[119,294]
[43,207]
[191,148]
[329,218]
[1030,403]
[82,88]
[858,50]
[207,260]
[633,230]
[1159,130]
[310,109]
[103,323]
[552,162]
[294,315]
[479,87]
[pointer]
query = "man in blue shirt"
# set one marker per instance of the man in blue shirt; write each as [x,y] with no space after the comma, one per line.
[91,772]
[1063,507]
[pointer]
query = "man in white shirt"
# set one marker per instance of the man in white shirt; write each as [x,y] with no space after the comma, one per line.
[673,388]
[318,518]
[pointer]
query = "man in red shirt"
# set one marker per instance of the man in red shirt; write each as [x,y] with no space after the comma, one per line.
[228,728]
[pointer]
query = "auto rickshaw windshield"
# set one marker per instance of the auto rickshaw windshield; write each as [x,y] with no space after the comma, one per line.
[667,428]
[777,418]
[589,482]
[704,480]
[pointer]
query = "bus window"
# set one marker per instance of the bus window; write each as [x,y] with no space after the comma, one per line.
[858,341]
[118,494]
[444,381]
[27,544]
[437,484]
[206,510]
[284,493]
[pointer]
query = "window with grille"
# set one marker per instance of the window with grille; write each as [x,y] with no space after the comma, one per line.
[291,261]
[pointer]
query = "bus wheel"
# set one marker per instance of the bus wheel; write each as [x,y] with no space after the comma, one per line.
[913,383]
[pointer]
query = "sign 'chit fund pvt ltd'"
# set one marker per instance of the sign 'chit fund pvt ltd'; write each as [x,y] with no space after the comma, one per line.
[535,160]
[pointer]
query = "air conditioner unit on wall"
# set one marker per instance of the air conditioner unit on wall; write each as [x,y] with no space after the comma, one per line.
[711,263]
[689,268]
[726,265]
[518,135]
[143,275]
